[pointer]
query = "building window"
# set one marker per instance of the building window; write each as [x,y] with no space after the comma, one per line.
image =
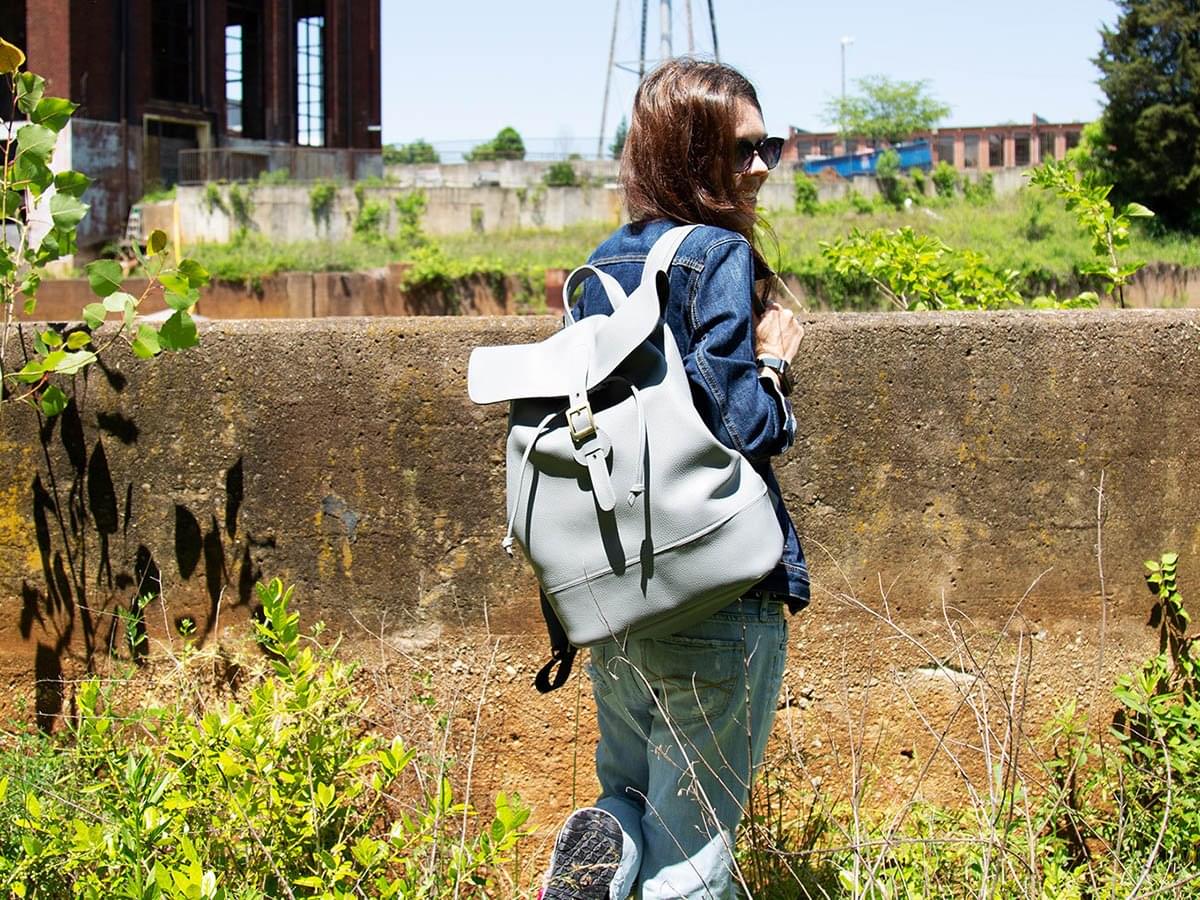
[1021,148]
[971,151]
[310,81]
[1045,146]
[234,70]
[826,147]
[171,38]
[945,148]
[1072,140]
[995,151]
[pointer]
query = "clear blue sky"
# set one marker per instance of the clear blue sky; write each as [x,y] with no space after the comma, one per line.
[455,73]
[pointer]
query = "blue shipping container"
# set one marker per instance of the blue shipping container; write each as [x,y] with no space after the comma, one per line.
[915,154]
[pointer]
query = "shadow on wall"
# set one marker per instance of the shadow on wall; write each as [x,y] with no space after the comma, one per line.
[97,584]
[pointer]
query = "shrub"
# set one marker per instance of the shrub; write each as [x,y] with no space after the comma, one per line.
[919,180]
[320,200]
[945,179]
[892,184]
[419,151]
[804,190]
[283,792]
[507,144]
[980,191]
[410,208]
[561,174]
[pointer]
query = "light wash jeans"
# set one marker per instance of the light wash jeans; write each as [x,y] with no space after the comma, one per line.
[683,720]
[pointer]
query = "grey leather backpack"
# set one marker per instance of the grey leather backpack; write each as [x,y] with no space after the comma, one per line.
[636,519]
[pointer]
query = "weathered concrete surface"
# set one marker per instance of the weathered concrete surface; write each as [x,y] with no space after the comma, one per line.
[303,295]
[948,461]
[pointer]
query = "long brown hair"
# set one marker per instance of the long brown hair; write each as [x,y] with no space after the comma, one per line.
[677,159]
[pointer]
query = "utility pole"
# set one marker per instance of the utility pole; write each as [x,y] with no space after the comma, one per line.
[846,41]
[664,17]
[612,47]
[687,8]
[642,58]
[712,21]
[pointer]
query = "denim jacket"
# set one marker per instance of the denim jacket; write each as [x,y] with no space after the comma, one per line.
[709,314]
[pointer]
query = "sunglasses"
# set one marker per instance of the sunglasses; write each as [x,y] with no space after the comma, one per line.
[769,150]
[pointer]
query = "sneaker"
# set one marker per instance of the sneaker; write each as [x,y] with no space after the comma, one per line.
[587,853]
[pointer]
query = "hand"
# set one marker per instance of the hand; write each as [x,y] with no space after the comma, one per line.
[777,333]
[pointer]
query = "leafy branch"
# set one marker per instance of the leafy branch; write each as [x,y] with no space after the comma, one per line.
[1109,230]
[40,212]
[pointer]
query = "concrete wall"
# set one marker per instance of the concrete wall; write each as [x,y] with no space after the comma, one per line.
[509,173]
[284,212]
[303,295]
[943,457]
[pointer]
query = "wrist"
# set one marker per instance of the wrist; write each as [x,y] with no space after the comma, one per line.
[776,367]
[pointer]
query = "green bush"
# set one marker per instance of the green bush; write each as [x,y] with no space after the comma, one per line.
[419,151]
[1086,814]
[507,144]
[320,201]
[919,180]
[284,792]
[945,179]
[980,191]
[804,190]
[561,174]
[888,177]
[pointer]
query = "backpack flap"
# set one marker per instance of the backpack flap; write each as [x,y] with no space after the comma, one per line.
[550,368]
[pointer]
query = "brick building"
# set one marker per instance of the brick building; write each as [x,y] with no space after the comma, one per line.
[156,77]
[975,148]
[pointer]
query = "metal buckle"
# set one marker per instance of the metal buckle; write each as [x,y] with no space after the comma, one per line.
[588,428]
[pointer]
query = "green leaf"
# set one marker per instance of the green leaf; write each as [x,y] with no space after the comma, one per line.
[177,302]
[157,242]
[94,315]
[37,141]
[1170,559]
[1137,211]
[53,112]
[146,344]
[117,302]
[32,371]
[70,182]
[10,204]
[78,340]
[196,275]
[174,282]
[67,211]
[30,88]
[53,401]
[31,171]
[104,275]
[71,363]
[30,305]
[51,338]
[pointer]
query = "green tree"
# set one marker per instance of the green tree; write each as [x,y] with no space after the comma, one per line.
[507,144]
[1150,73]
[617,147]
[419,151]
[886,110]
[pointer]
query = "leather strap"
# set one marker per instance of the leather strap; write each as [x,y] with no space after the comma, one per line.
[562,652]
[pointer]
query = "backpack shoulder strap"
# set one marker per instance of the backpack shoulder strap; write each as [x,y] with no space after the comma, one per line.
[662,254]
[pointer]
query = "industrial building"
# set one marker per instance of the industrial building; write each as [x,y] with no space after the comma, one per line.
[172,90]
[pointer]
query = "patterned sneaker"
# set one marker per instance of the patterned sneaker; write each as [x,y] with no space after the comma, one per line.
[586,855]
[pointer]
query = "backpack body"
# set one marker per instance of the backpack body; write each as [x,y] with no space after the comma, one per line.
[636,520]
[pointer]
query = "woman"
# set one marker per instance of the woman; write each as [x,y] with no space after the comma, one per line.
[683,720]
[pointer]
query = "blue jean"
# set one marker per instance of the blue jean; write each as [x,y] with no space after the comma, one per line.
[683,721]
